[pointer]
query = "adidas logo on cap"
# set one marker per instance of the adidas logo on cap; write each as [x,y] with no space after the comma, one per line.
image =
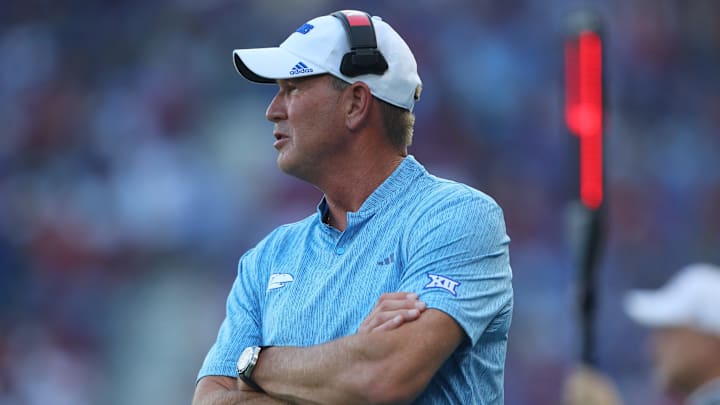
[300,68]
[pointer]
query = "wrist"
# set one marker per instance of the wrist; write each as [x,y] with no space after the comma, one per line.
[246,365]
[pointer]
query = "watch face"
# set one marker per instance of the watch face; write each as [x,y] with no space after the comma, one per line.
[245,359]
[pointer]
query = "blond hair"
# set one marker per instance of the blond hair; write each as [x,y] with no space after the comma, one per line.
[397,122]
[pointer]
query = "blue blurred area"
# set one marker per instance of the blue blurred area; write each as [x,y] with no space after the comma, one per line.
[136,167]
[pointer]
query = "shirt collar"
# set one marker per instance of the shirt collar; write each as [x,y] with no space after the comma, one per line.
[396,183]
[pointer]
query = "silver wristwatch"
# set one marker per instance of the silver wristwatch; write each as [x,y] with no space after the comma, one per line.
[246,364]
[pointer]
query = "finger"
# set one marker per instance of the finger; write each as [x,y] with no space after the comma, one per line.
[396,303]
[391,320]
[387,310]
[401,318]
[378,319]
[391,324]
[389,302]
[398,296]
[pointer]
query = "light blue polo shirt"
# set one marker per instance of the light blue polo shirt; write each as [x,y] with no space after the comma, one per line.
[307,283]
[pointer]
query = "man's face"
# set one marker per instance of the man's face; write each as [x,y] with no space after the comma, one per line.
[684,358]
[308,117]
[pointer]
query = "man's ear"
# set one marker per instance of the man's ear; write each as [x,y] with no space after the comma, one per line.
[359,105]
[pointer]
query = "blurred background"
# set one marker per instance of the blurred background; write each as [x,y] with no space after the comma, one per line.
[136,167]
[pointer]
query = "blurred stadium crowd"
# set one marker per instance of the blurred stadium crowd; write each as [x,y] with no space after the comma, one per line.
[136,167]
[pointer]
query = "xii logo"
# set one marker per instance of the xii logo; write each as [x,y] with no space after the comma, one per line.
[438,281]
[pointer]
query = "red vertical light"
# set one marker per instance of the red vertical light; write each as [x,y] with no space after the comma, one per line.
[584,111]
[571,86]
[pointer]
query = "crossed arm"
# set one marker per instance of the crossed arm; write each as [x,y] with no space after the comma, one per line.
[392,357]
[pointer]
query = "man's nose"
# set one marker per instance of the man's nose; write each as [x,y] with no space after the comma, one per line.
[275,111]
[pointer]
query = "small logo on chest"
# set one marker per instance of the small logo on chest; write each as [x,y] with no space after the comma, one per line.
[388,260]
[278,280]
[445,283]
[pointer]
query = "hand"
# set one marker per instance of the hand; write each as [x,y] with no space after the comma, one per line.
[215,389]
[391,311]
[587,386]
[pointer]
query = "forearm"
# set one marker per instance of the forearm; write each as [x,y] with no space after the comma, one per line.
[237,397]
[359,369]
[313,374]
[289,375]
[225,391]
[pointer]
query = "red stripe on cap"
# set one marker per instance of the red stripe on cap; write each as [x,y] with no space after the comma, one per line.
[356,19]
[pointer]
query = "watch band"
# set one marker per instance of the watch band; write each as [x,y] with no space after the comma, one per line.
[252,384]
[245,375]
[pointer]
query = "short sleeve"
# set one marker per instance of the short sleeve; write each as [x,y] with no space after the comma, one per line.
[241,327]
[457,260]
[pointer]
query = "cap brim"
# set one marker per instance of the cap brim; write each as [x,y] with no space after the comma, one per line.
[654,309]
[265,65]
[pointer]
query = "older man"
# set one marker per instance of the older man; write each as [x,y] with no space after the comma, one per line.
[398,289]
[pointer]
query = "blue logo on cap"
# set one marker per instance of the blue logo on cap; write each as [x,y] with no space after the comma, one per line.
[305,28]
[300,68]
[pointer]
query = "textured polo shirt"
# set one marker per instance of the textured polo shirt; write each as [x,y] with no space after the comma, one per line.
[307,283]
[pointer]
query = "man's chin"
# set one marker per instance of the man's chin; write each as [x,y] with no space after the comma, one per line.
[287,166]
[283,164]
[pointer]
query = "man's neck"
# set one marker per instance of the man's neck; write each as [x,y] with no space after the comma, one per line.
[348,188]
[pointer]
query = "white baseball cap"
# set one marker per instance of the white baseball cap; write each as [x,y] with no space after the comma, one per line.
[690,298]
[319,46]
